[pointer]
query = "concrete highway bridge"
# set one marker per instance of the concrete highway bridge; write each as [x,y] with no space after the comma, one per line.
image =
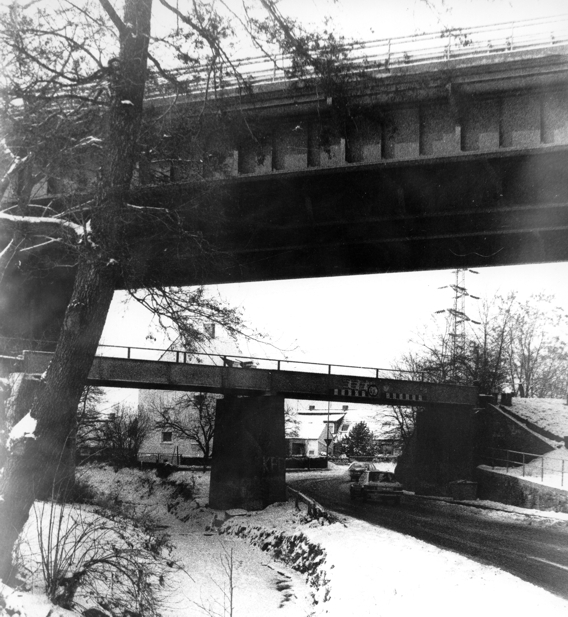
[440,151]
[443,152]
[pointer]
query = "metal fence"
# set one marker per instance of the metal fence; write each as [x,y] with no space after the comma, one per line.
[547,469]
[253,362]
[180,356]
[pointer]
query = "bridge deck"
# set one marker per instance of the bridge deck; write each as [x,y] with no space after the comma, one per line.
[244,380]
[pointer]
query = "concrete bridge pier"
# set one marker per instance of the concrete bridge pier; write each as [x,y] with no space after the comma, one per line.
[248,469]
[442,450]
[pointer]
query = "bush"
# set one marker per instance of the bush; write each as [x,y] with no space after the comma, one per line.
[88,557]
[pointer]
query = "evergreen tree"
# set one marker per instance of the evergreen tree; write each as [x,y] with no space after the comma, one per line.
[359,442]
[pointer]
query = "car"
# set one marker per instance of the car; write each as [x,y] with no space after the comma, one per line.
[380,485]
[357,468]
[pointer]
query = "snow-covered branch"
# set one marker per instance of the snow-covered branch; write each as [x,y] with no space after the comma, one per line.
[42,226]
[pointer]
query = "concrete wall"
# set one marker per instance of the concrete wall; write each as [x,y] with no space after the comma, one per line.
[496,429]
[515,491]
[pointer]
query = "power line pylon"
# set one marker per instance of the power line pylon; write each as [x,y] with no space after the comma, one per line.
[458,319]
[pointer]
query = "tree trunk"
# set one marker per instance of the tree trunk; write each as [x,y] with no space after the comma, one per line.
[43,465]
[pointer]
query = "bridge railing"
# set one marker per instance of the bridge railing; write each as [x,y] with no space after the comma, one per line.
[551,470]
[252,362]
[385,54]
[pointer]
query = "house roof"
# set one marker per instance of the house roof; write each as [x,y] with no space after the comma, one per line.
[312,425]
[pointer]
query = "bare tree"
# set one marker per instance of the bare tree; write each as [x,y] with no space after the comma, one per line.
[88,416]
[46,461]
[399,422]
[121,433]
[515,341]
[190,416]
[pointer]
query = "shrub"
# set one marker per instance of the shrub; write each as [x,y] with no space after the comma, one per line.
[88,557]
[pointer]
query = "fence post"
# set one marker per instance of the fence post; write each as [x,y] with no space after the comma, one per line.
[128,353]
[542,469]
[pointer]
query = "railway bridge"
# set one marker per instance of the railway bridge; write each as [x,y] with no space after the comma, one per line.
[248,469]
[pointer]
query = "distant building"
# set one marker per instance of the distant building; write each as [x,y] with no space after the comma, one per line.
[164,443]
[313,417]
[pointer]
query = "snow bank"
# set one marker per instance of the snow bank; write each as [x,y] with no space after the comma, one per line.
[366,570]
[23,604]
[24,429]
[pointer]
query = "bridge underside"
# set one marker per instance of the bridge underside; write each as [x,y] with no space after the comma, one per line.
[471,210]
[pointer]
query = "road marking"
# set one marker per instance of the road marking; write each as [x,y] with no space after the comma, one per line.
[550,563]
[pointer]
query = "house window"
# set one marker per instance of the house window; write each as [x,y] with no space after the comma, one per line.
[345,407]
[298,449]
[311,407]
[167,437]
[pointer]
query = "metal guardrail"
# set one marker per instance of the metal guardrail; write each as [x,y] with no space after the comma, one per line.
[252,362]
[315,510]
[382,55]
[235,361]
[532,465]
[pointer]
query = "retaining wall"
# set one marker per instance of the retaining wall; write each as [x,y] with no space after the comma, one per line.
[521,492]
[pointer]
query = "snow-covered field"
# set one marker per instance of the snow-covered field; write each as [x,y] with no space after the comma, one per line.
[354,568]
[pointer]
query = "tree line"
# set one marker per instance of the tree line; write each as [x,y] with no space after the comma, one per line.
[515,344]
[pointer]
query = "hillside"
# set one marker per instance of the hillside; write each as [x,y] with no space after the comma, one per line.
[550,414]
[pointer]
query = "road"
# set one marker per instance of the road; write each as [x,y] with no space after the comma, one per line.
[527,547]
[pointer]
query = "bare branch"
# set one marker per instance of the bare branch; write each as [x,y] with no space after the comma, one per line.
[17,164]
[113,15]
[7,255]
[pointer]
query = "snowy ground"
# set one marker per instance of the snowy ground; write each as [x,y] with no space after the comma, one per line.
[548,413]
[360,569]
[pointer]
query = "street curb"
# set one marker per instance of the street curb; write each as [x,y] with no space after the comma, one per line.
[494,506]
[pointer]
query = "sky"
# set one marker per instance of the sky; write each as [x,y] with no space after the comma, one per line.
[352,320]
[367,320]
